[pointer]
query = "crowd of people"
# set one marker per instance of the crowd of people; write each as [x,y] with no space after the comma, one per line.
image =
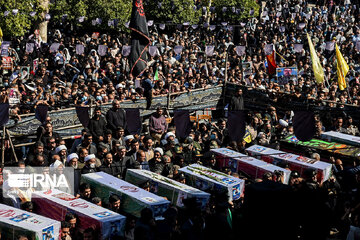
[69,76]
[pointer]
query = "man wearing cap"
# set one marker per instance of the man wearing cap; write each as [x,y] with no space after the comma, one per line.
[157,124]
[116,117]
[97,125]
[90,164]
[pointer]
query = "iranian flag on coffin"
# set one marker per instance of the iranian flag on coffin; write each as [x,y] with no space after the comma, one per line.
[133,198]
[208,179]
[15,222]
[256,168]
[295,162]
[56,204]
[166,187]
[223,155]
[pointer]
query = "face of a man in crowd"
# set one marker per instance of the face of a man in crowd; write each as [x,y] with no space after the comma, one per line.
[65,232]
[142,157]
[84,153]
[108,158]
[116,205]
[116,104]
[40,149]
[159,111]
[149,144]
[48,128]
[122,152]
[135,146]
[86,194]
[88,140]
[73,162]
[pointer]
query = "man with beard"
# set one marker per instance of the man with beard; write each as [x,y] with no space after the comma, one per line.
[90,164]
[61,151]
[116,117]
[148,148]
[109,166]
[72,161]
[85,192]
[97,125]
[37,150]
[87,144]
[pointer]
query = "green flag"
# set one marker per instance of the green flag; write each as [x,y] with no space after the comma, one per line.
[156,76]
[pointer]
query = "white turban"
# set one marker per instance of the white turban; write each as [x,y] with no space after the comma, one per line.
[88,157]
[55,165]
[128,137]
[167,135]
[159,150]
[71,156]
[59,148]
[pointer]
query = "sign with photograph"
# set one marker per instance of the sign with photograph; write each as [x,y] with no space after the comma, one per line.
[286,74]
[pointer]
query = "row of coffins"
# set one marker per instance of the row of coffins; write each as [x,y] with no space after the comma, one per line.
[271,158]
[252,167]
[53,205]
[294,162]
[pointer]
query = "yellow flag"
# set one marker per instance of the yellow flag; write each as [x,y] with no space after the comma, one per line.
[1,35]
[317,68]
[247,137]
[342,69]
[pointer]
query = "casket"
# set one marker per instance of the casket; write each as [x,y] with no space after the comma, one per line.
[15,222]
[133,198]
[166,187]
[56,204]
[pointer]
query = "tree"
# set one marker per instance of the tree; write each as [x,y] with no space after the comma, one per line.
[18,24]
[68,10]
[176,11]
[236,10]
[106,10]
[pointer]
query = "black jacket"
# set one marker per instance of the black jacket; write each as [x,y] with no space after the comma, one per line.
[116,119]
[236,103]
[114,169]
[97,127]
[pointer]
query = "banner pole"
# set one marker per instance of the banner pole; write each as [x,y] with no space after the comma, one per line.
[3,149]
[12,146]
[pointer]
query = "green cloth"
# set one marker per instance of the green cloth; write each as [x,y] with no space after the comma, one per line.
[229,218]
[156,77]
